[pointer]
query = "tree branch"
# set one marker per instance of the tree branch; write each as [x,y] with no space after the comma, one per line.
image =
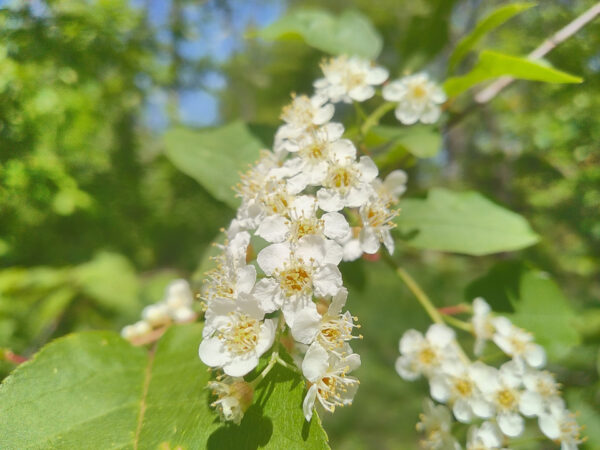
[545,47]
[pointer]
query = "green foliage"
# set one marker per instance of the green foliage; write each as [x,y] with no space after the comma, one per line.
[350,33]
[214,157]
[492,21]
[542,309]
[463,223]
[422,141]
[95,390]
[493,64]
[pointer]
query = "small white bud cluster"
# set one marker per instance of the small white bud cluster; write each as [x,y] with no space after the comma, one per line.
[297,203]
[497,398]
[176,307]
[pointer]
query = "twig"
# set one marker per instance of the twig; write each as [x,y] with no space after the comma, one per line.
[545,47]
[10,356]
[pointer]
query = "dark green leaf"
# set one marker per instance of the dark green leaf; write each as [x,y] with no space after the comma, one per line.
[483,27]
[95,390]
[351,33]
[214,157]
[463,222]
[493,64]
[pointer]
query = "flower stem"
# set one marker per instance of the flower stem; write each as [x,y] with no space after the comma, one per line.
[460,324]
[374,118]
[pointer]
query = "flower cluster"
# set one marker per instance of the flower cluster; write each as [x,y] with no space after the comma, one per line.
[176,307]
[306,205]
[498,398]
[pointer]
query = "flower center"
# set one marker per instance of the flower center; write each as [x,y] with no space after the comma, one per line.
[295,280]
[341,178]
[306,226]
[506,398]
[299,112]
[354,80]
[241,336]
[427,356]
[463,387]
[278,202]
[419,91]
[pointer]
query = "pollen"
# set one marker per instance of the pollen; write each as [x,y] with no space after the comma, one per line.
[295,280]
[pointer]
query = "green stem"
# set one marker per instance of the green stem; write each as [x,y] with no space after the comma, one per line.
[376,116]
[460,324]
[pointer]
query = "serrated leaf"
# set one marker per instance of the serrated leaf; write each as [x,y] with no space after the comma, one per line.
[493,64]
[464,222]
[214,157]
[422,141]
[543,310]
[350,33]
[95,390]
[492,21]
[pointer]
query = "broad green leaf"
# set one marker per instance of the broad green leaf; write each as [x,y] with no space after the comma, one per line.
[95,390]
[582,402]
[493,64]
[350,33]
[422,141]
[110,280]
[463,222]
[214,157]
[543,310]
[483,27]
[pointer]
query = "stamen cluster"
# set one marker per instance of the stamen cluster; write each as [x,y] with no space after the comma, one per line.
[495,400]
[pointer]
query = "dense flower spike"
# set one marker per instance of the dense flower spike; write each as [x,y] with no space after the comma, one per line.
[297,203]
[504,397]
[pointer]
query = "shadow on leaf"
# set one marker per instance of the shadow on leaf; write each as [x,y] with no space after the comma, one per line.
[254,432]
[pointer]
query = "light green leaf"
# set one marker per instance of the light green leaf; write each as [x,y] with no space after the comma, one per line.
[110,280]
[214,157]
[350,33]
[582,402]
[493,64]
[95,390]
[422,141]
[483,27]
[463,222]
[543,310]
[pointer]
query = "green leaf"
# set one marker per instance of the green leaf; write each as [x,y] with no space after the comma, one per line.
[351,33]
[463,222]
[422,141]
[483,27]
[214,157]
[581,402]
[493,64]
[543,310]
[111,281]
[95,390]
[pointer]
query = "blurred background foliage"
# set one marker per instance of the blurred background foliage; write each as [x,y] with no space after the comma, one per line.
[96,219]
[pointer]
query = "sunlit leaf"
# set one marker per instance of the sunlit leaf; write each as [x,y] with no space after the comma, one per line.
[493,64]
[463,222]
[95,390]
[422,141]
[350,33]
[483,27]
[214,157]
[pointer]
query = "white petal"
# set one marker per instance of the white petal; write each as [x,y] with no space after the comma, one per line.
[482,408]
[394,91]
[315,363]
[368,169]
[273,257]
[306,326]
[311,248]
[241,365]
[333,131]
[511,424]
[266,336]
[337,302]
[462,411]
[531,403]
[440,335]
[362,93]
[395,182]
[550,426]
[268,293]
[352,250]
[323,114]
[274,229]
[439,389]
[330,200]
[377,75]
[411,341]
[246,277]
[212,352]
[352,361]
[335,225]
[309,402]
[431,113]
[298,183]
[369,242]
[404,367]
[342,151]
[535,356]
[304,206]
[406,115]
[327,281]
[333,252]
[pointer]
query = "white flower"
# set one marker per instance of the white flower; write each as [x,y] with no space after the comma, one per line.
[239,338]
[302,221]
[234,396]
[157,314]
[425,355]
[329,383]
[131,332]
[456,384]
[541,393]
[296,272]
[436,423]
[483,327]
[518,343]
[392,187]
[377,222]
[178,294]
[560,425]
[312,146]
[331,329]
[485,437]
[303,114]
[418,98]
[347,183]
[347,79]
[502,388]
